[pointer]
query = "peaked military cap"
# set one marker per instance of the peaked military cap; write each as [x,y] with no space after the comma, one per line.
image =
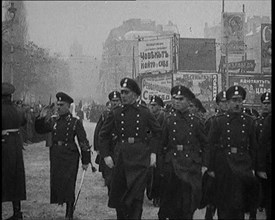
[266,97]
[198,104]
[221,97]
[114,95]
[235,92]
[130,84]
[61,96]
[7,89]
[156,99]
[178,91]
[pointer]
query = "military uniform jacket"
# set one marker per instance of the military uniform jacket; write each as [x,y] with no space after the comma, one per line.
[133,148]
[233,135]
[64,155]
[13,171]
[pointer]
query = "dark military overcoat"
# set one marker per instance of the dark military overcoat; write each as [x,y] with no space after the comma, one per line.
[132,154]
[185,148]
[13,172]
[64,155]
[233,150]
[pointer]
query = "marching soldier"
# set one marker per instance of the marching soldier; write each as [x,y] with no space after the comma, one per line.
[186,158]
[153,189]
[115,100]
[13,171]
[208,181]
[134,154]
[64,152]
[233,151]
[265,183]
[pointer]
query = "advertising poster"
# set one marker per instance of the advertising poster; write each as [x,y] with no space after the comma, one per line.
[203,85]
[266,48]
[159,85]
[233,33]
[255,85]
[155,55]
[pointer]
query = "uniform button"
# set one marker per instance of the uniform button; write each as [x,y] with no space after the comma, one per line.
[122,114]
[228,138]
[136,134]
[188,142]
[67,128]
[175,154]
[242,131]
[122,141]
[137,128]
[228,131]
[66,144]
[229,153]
[228,145]
[67,134]
[174,130]
[186,155]
[175,123]
[243,125]
[191,125]
[137,121]
[227,123]
[191,118]
[137,105]
[137,115]
[175,115]
[122,135]
[190,133]
[174,139]
[68,123]
[122,129]
[122,122]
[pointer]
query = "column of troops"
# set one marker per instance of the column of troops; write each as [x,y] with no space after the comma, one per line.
[174,156]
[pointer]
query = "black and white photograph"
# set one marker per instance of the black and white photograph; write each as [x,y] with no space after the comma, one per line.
[142,109]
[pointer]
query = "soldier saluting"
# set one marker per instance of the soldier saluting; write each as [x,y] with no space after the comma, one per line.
[233,151]
[134,154]
[64,153]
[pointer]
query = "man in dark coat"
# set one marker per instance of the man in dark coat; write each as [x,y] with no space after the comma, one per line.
[64,152]
[115,100]
[184,145]
[233,150]
[263,134]
[133,154]
[208,180]
[153,189]
[13,171]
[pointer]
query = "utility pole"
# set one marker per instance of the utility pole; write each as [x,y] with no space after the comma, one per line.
[226,63]
[11,56]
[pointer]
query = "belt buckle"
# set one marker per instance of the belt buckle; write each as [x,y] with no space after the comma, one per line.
[59,143]
[179,147]
[131,140]
[233,150]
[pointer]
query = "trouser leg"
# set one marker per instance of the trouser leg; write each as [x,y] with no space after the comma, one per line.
[17,214]
[210,212]
[69,210]
[136,210]
[121,214]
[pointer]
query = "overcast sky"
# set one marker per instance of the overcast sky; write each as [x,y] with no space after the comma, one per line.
[56,24]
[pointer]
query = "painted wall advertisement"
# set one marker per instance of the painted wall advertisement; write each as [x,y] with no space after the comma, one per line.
[255,85]
[159,84]
[266,48]
[233,32]
[203,85]
[155,55]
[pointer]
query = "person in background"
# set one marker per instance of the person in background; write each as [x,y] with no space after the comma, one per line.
[64,152]
[153,189]
[13,171]
[196,107]
[134,152]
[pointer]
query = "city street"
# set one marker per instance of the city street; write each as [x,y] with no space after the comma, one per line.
[92,204]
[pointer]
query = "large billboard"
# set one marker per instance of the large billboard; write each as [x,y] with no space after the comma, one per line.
[233,33]
[155,55]
[255,85]
[203,85]
[197,54]
[159,84]
[266,32]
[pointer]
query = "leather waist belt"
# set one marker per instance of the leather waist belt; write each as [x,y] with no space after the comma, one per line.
[234,150]
[59,143]
[131,140]
[7,131]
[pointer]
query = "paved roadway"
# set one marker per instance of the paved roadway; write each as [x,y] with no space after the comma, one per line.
[150,211]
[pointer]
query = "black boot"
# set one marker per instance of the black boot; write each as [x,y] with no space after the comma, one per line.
[69,211]
[17,214]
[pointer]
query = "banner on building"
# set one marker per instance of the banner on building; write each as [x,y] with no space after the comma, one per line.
[266,32]
[255,85]
[155,55]
[159,84]
[233,33]
[203,85]
[246,65]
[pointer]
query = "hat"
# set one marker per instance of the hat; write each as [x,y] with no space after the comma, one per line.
[221,97]
[266,97]
[114,94]
[157,100]
[61,96]
[198,104]
[179,90]
[235,91]
[130,84]
[7,89]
